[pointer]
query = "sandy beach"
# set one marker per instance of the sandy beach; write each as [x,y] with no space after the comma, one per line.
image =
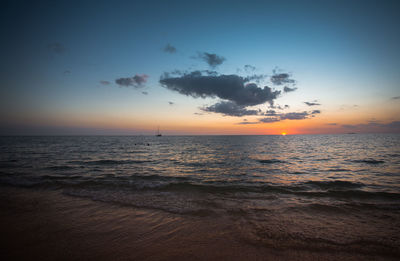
[47,225]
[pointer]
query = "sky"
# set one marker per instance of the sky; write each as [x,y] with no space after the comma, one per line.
[199,67]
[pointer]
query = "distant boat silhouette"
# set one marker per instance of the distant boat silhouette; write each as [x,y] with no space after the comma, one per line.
[158,134]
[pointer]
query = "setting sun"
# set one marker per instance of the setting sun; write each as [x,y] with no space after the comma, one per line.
[283,133]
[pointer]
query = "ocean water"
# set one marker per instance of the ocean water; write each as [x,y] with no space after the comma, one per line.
[337,190]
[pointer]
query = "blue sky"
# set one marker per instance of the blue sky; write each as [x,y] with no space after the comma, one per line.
[343,54]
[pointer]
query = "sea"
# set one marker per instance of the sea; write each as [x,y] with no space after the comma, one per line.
[279,191]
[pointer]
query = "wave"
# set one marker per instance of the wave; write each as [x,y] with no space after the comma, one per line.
[182,184]
[335,184]
[109,162]
[270,161]
[61,167]
[338,170]
[369,161]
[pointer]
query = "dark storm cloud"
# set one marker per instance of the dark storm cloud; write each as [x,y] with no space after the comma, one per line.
[288,89]
[212,59]
[57,48]
[105,82]
[136,81]
[227,87]
[229,108]
[312,103]
[281,78]
[169,49]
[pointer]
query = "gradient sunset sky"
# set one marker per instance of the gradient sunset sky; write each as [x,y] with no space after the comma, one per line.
[199,67]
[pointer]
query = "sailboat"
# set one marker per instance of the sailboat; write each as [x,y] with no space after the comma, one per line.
[158,134]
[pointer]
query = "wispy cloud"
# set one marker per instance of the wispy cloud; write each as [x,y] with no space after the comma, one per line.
[314,103]
[249,68]
[273,116]
[278,78]
[56,48]
[169,49]
[374,126]
[288,89]
[211,59]
[105,82]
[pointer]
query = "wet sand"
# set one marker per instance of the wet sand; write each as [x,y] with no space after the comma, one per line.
[48,225]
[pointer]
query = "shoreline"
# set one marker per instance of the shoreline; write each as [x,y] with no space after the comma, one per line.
[48,225]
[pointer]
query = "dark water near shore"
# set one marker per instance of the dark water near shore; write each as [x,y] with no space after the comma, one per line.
[335,189]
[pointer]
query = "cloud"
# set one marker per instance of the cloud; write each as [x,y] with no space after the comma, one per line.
[136,81]
[396,98]
[57,48]
[249,68]
[270,113]
[227,87]
[288,89]
[145,93]
[229,108]
[269,119]
[332,124]
[393,126]
[212,59]
[67,72]
[169,49]
[273,116]
[105,82]
[255,77]
[312,103]
[294,115]
[247,122]
[278,107]
[281,78]
[171,103]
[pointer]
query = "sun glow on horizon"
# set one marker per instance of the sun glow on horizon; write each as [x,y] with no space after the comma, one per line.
[283,133]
